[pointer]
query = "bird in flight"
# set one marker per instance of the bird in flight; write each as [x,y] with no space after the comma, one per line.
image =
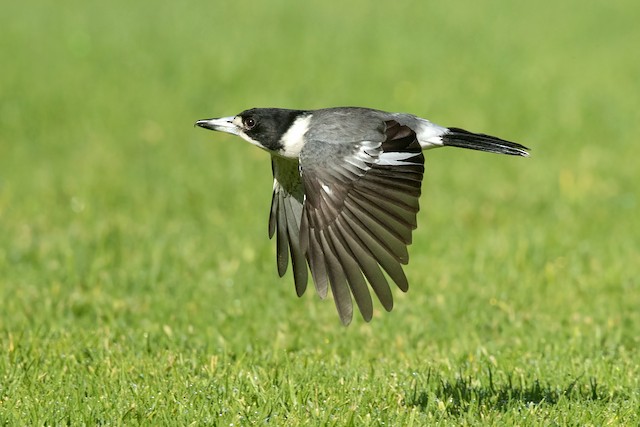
[346,189]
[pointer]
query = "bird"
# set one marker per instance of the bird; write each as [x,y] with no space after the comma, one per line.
[346,189]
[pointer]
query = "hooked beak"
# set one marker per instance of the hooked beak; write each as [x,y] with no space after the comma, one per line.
[223,124]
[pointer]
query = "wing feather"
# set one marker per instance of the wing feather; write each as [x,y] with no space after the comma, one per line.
[317,265]
[282,239]
[337,280]
[293,211]
[285,218]
[352,271]
[368,264]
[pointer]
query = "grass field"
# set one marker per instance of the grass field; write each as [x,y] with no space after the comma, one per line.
[137,283]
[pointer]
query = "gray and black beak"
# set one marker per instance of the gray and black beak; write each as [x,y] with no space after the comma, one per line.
[223,124]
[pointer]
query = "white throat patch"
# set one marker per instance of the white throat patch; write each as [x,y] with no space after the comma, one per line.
[293,140]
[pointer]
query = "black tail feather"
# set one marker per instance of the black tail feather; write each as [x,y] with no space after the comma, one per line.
[457,137]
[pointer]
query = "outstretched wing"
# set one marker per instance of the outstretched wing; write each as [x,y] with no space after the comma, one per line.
[285,217]
[359,212]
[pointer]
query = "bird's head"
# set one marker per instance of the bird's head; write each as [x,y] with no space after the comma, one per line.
[266,128]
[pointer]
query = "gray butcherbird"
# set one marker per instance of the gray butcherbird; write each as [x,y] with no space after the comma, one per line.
[345,192]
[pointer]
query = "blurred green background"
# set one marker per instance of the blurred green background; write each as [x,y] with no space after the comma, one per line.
[134,250]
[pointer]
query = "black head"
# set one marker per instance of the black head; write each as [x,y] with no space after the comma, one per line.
[263,127]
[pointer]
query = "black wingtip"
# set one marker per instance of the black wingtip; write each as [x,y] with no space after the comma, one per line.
[457,137]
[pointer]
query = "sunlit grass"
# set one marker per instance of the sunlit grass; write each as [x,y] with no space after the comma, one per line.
[137,283]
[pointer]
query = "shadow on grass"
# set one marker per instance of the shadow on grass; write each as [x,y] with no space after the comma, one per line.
[465,394]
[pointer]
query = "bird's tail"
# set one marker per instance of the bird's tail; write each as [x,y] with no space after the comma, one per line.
[457,137]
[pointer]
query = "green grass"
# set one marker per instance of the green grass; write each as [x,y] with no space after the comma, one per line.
[137,283]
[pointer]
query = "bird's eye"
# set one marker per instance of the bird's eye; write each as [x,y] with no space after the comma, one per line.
[249,123]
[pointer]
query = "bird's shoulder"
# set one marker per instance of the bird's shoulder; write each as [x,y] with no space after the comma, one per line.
[347,125]
[354,124]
